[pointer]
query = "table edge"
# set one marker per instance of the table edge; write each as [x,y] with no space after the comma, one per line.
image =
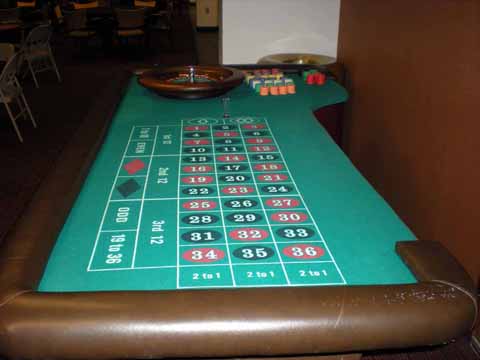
[330,319]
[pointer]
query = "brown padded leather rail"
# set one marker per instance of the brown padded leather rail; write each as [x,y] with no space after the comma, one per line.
[314,357]
[225,323]
[445,268]
[209,323]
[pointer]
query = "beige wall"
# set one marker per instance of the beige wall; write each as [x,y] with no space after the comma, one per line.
[252,29]
[413,122]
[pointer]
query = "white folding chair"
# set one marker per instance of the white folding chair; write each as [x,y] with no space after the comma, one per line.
[11,94]
[37,52]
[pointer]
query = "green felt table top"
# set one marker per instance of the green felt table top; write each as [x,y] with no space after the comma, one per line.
[132,230]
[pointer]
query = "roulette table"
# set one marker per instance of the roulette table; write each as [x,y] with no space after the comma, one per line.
[222,227]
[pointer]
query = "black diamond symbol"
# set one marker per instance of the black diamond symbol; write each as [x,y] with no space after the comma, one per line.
[128,188]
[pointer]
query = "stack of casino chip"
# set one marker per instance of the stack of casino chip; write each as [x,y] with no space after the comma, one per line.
[269,82]
[314,77]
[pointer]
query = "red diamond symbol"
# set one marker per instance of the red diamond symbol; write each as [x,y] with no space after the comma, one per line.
[134,166]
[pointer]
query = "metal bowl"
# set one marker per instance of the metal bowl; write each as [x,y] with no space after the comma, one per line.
[296,59]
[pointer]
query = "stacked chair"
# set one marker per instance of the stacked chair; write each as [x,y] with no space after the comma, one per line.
[76,26]
[11,94]
[37,53]
[160,19]
[10,21]
[130,24]
[9,16]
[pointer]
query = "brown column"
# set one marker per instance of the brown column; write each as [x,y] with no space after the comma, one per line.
[413,121]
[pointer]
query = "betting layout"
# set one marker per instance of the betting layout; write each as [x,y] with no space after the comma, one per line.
[211,203]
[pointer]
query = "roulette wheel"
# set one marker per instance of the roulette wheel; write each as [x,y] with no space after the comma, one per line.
[191,82]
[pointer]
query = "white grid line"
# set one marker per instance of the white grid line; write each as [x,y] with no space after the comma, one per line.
[239,243]
[155,156]
[233,197]
[248,161]
[243,225]
[285,273]
[143,200]
[92,255]
[221,214]
[127,230]
[176,124]
[132,176]
[305,204]
[306,262]
[178,204]
[232,173]
[256,286]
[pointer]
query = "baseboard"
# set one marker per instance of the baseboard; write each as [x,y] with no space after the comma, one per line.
[207,28]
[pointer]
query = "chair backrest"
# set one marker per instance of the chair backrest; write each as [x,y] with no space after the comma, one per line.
[104,3]
[130,18]
[57,10]
[7,50]
[26,4]
[86,5]
[8,79]
[75,20]
[9,15]
[145,3]
[38,37]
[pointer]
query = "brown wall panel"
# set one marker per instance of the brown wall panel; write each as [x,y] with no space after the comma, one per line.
[413,121]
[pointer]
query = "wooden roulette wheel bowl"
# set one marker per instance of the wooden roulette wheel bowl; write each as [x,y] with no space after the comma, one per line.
[191,82]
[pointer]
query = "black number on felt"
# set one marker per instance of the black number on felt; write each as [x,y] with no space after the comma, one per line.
[233,168]
[243,218]
[275,189]
[200,219]
[225,127]
[196,135]
[197,159]
[196,150]
[241,203]
[295,232]
[227,141]
[199,236]
[228,149]
[253,252]
[235,178]
[193,191]
[265,157]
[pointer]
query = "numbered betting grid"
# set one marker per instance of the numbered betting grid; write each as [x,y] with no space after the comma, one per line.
[211,203]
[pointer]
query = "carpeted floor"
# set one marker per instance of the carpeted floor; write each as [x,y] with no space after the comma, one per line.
[60,108]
